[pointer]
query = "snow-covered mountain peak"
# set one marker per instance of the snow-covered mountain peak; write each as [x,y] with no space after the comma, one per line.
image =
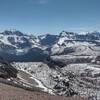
[95,33]
[83,33]
[64,34]
[14,32]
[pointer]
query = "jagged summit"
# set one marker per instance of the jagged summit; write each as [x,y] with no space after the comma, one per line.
[12,32]
[65,33]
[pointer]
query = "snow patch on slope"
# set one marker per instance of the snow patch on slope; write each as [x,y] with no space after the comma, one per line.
[40,85]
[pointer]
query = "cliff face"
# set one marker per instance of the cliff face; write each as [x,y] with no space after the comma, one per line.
[7,70]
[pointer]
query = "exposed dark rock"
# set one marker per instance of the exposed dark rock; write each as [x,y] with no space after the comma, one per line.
[7,70]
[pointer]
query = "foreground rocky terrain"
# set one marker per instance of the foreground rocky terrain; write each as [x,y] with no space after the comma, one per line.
[8,92]
[70,80]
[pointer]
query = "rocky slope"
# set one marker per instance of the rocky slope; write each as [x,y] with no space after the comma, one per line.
[7,70]
[72,79]
[8,92]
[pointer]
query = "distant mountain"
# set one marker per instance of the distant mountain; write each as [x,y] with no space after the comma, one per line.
[17,45]
[48,39]
[6,32]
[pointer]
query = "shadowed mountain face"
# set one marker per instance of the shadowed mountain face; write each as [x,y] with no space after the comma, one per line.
[34,54]
[7,70]
[48,40]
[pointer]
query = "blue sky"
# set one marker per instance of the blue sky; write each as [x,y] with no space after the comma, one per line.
[50,16]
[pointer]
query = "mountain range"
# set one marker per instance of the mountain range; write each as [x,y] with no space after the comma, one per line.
[17,46]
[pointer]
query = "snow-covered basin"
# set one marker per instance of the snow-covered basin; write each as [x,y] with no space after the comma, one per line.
[40,70]
[39,83]
[77,68]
